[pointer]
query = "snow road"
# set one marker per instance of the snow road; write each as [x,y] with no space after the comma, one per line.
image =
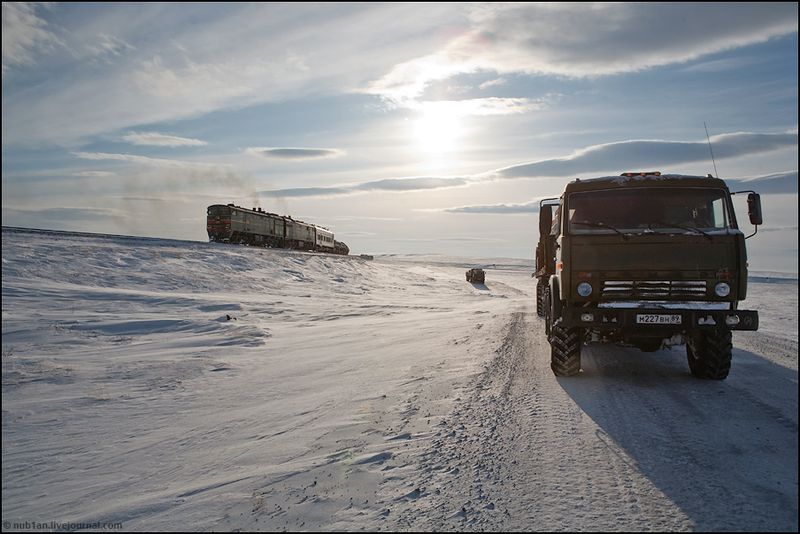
[632,444]
[345,394]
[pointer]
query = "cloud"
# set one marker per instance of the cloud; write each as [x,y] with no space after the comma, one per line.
[504,209]
[157,139]
[492,83]
[307,192]
[636,155]
[777,229]
[785,182]
[581,40]
[721,65]
[144,176]
[596,159]
[107,47]
[359,218]
[94,174]
[480,106]
[150,199]
[410,184]
[294,153]
[25,35]
[29,216]
[170,63]
[145,160]
[389,184]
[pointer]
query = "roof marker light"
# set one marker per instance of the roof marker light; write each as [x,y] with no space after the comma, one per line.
[644,173]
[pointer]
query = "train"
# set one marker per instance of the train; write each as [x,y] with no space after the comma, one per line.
[228,223]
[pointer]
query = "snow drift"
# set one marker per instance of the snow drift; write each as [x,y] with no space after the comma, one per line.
[181,385]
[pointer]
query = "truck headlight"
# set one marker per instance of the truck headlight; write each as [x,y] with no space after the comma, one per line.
[722,289]
[732,320]
[584,289]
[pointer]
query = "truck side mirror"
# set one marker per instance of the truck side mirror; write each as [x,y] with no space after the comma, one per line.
[754,209]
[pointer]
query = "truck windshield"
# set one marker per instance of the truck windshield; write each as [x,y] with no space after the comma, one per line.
[648,210]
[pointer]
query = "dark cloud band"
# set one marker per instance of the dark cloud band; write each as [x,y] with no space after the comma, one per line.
[390,184]
[640,154]
[770,184]
[295,153]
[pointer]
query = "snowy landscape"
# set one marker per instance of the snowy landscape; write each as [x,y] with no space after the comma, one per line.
[172,385]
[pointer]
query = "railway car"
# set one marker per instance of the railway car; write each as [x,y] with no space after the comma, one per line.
[324,239]
[234,224]
[299,235]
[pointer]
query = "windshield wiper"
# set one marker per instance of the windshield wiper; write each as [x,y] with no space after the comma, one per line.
[673,225]
[602,225]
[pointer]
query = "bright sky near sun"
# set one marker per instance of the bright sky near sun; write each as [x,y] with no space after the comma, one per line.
[404,127]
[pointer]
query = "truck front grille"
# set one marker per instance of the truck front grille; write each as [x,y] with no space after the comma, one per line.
[653,289]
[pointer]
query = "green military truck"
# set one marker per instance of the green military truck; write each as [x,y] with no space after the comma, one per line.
[644,259]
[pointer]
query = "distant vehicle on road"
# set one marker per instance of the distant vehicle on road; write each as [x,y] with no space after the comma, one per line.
[476,276]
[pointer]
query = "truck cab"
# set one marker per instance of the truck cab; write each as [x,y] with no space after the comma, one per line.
[648,260]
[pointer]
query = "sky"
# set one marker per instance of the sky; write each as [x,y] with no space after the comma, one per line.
[403,127]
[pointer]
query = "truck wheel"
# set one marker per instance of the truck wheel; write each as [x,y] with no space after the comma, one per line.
[540,304]
[565,350]
[709,354]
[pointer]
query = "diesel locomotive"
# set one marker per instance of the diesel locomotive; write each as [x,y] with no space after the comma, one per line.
[234,224]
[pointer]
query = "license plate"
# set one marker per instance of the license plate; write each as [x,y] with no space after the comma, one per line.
[655,318]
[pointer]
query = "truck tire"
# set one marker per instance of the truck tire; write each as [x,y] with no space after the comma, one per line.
[565,350]
[540,300]
[709,353]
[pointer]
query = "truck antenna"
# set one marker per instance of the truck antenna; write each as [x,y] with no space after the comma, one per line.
[709,149]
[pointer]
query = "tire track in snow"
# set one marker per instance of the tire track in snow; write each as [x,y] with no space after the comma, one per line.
[452,481]
[519,454]
[633,443]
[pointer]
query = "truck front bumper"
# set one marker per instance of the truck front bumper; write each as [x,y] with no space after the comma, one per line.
[658,319]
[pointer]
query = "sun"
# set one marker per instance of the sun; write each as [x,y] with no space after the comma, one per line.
[438,129]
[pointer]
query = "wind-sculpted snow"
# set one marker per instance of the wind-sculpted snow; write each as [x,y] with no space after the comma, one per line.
[191,386]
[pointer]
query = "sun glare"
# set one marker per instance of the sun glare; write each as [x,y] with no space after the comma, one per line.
[438,129]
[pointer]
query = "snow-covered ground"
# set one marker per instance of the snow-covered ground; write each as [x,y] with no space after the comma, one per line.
[348,394]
